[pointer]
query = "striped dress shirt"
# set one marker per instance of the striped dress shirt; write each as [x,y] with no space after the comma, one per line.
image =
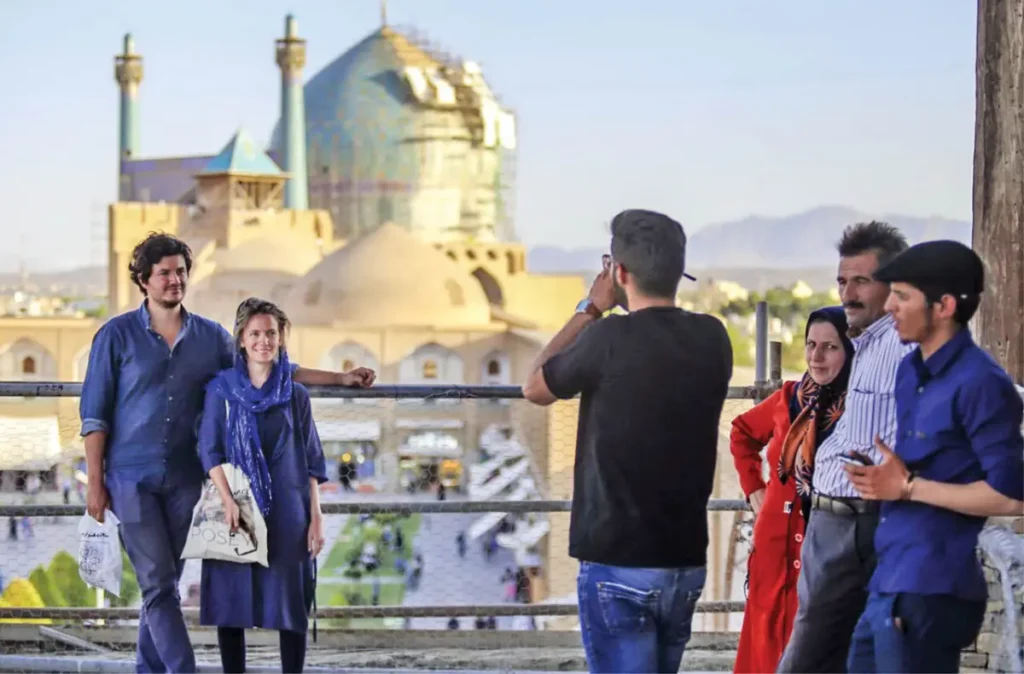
[870,407]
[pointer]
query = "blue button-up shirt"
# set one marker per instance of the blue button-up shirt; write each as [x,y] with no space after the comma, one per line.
[959,421]
[148,395]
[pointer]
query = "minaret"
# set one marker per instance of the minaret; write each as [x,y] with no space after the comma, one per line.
[128,73]
[291,57]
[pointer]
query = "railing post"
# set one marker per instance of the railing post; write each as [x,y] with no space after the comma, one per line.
[775,361]
[761,345]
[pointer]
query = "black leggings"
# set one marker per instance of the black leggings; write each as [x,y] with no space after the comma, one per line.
[232,650]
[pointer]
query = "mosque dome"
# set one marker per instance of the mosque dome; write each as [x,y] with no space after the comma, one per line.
[268,253]
[267,266]
[389,277]
[391,128]
[357,115]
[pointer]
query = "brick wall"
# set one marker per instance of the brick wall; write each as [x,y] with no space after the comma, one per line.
[988,654]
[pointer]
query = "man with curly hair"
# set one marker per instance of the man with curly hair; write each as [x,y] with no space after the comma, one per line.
[140,405]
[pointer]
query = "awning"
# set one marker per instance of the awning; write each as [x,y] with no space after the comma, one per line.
[29,443]
[332,430]
[505,478]
[525,536]
[432,445]
[430,424]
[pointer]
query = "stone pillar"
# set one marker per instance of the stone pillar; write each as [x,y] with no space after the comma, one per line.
[291,58]
[128,73]
[998,233]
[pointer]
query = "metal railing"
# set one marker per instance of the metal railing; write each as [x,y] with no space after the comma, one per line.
[761,389]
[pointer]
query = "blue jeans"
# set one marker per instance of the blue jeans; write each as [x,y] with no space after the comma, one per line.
[637,620]
[155,510]
[914,633]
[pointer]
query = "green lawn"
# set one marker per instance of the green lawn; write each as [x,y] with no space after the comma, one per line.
[355,535]
[360,592]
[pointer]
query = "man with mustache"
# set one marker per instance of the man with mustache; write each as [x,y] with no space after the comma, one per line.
[837,558]
[140,405]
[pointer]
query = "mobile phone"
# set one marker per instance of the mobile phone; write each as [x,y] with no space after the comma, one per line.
[606,262]
[856,459]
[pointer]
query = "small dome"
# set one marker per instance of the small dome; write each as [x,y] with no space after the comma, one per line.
[284,254]
[267,267]
[389,277]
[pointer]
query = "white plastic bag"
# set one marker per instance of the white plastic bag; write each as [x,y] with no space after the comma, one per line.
[210,537]
[99,553]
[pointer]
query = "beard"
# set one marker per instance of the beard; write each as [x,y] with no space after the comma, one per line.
[169,302]
[620,295]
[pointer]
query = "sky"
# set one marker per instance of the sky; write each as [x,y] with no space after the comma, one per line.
[709,111]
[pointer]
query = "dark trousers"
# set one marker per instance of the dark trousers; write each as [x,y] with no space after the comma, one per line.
[914,633]
[837,560]
[156,512]
[232,650]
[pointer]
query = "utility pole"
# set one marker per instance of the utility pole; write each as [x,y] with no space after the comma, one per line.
[998,230]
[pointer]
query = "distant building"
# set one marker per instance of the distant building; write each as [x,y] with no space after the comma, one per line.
[391,247]
[802,291]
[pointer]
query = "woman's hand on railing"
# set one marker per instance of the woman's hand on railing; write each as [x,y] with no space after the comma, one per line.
[361,377]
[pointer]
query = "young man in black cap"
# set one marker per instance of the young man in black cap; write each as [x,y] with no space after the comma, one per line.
[958,459]
[653,383]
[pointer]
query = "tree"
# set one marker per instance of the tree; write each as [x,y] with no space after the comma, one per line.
[64,572]
[47,588]
[998,233]
[22,594]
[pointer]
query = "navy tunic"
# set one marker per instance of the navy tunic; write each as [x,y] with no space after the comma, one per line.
[249,595]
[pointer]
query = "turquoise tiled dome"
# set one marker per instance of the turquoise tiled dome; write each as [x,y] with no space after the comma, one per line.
[358,121]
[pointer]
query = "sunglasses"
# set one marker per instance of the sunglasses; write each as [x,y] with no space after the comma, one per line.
[606,264]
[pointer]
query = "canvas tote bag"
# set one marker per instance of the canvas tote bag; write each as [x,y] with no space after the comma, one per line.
[210,537]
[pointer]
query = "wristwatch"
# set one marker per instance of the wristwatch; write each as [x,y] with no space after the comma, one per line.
[587,307]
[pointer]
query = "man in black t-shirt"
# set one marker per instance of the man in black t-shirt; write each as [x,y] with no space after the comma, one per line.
[653,383]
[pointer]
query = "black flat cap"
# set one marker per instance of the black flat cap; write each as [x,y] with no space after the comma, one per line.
[946,267]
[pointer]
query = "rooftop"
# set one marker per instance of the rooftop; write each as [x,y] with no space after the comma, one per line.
[242,156]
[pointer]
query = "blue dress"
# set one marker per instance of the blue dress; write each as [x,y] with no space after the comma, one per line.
[248,595]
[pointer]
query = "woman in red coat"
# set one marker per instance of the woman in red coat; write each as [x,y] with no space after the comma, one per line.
[792,422]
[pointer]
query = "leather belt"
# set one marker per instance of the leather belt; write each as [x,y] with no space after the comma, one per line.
[847,507]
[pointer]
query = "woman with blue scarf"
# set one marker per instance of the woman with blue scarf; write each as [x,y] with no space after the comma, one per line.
[259,420]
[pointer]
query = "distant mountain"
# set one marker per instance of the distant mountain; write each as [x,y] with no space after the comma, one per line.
[803,241]
[756,252]
[80,282]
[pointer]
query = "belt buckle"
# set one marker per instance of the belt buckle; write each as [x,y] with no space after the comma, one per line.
[847,508]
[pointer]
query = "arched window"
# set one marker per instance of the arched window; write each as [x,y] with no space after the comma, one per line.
[431,364]
[496,370]
[346,357]
[27,359]
[455,295]
[491,286]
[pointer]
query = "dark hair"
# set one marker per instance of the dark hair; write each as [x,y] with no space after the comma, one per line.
[876,237]
[150,251]
[652,247]
[966,305]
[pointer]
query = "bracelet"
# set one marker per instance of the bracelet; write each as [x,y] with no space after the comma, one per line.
[908,487]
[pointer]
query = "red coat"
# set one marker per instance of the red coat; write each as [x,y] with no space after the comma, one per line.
[774,561]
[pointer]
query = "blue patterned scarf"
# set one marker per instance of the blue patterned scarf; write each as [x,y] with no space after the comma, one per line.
[245,401]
